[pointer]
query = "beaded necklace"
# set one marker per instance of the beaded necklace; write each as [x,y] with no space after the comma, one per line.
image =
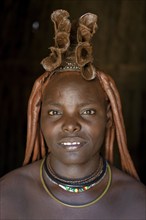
[78,185]
[70,205]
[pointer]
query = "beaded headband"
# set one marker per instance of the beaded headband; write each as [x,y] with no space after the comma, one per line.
[69,66]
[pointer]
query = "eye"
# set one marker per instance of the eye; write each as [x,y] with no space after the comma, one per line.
[89,112]
[54,112]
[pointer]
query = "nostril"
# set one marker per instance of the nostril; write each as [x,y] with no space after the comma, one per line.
[71,127]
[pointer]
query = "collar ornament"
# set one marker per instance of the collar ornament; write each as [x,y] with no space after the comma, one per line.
[74,205]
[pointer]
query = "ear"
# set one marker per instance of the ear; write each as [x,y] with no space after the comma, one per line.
[109,116]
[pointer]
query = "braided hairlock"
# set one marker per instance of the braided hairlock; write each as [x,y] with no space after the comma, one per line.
[81,55]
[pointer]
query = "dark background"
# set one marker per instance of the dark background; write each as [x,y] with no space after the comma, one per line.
[26,32]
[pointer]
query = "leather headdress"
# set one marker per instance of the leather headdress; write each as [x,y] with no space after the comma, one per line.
[72,54]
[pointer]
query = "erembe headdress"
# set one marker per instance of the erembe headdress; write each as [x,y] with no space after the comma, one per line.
[73,52]
[73,49]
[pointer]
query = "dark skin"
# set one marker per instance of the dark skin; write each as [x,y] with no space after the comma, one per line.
[72,113]
[73,110]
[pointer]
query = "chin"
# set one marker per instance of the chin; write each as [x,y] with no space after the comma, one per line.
[74,159]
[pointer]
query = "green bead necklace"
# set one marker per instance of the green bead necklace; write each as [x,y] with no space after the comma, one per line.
[71,205]
[78,185]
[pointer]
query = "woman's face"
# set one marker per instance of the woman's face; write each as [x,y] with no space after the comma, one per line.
[73,118]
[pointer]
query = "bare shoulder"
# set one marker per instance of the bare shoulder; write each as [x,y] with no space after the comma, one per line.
[15,178]
[19,189]
[16,184]
[127,182]
[129,194]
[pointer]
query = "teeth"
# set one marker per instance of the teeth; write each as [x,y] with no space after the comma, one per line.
[70,143]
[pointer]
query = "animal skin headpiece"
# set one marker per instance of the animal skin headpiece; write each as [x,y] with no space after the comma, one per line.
[73,52]
[73,49]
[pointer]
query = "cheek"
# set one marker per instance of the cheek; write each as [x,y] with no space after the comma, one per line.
[98,131]
[45,128]
[50,131]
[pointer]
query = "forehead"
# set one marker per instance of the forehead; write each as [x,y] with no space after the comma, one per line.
[73,83]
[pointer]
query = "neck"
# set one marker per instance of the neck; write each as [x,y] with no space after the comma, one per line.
[80,199]
[74,171]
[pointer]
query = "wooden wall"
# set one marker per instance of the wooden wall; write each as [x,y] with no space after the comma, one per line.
[120,45]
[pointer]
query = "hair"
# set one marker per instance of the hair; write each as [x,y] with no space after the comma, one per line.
[73,44]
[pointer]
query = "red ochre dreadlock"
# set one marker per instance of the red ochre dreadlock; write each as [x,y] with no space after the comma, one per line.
[35,146]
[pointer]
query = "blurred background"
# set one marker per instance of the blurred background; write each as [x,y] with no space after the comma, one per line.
[119,49]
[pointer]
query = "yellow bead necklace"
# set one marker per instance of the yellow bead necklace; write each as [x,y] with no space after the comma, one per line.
[70,205]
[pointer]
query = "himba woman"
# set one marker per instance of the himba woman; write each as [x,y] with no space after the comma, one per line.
[74,116]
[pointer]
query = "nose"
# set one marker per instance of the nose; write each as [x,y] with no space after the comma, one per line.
[71,125]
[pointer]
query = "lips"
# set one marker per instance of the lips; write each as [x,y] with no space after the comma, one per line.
[72,144]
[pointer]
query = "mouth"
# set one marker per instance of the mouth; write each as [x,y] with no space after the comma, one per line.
[72,144]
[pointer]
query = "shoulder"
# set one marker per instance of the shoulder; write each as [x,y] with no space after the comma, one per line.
[18,180]
[127,182]
[128,194]
[27,172]
[18,189]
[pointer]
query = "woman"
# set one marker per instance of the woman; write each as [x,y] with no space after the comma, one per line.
[74,112]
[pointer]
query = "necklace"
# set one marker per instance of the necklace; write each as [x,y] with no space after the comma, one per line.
[59,179]
[70,205]
[77,185]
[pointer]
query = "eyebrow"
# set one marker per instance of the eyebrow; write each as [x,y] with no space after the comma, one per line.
[87,103]
[80,105]
[53,103]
